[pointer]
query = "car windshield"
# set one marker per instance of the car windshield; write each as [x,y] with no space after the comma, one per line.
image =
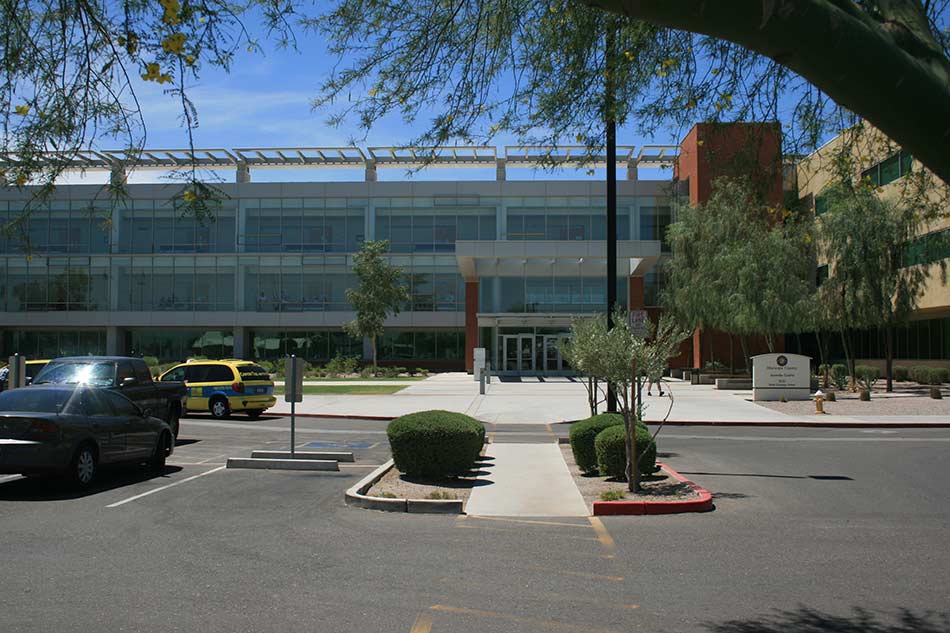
[40,400]
[100,374]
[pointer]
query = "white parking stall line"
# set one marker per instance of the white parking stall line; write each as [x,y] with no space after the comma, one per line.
[6,478]
[159,489]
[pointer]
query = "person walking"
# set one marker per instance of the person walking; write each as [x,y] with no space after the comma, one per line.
[658,380]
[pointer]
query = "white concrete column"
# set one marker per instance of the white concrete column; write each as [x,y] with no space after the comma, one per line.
[240,335]
[243,173]
[501,222]
[632,171]
[500,169]
[115,341]
[369,226]
[370,170]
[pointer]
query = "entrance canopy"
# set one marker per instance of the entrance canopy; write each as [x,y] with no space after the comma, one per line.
[585,258]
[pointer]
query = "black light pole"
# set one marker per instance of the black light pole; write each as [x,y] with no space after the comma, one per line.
[610,95]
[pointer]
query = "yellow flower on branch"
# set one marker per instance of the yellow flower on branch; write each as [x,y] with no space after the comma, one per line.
[373,92]
[189,196]
[174,43]
[21,180]
[22,110]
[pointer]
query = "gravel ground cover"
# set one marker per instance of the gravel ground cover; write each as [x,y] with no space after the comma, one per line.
[906,399]
[659,487]
[395,485]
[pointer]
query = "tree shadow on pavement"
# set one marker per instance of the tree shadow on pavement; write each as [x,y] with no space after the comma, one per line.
[808,620]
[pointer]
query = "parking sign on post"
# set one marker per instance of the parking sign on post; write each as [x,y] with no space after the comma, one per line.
[293,391]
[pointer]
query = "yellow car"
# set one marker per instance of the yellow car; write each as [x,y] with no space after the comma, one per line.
[33,367]
[224,386]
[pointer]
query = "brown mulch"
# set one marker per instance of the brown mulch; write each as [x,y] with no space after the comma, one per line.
[658,487]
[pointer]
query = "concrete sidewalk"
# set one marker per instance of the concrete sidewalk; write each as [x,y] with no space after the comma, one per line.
[540,401]
[527,480]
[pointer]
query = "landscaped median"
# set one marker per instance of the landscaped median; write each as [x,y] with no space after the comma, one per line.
[434,466]
[596,458]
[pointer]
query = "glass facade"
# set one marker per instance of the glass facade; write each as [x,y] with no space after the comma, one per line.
[312,346]
[264,257]
[170,346]
[53,343]
[547,294]
[407,345]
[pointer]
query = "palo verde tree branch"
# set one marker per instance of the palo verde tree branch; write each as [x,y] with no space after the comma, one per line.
[880,64]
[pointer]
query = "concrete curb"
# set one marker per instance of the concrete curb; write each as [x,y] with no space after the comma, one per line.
[356,496]
[282,464]
[817,425]
[340,416]
[615,508]
[322,455]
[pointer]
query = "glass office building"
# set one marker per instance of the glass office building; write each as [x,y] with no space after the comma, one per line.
[497,263]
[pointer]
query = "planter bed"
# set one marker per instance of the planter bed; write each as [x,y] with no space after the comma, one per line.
[666,492]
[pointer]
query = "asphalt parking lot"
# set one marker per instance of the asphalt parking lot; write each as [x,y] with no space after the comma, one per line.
[816,530]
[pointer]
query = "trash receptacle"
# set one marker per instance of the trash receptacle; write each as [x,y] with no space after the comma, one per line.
[694,376]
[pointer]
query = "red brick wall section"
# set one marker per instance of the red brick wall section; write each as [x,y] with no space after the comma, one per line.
[471,323]
[711,150]
[636,297]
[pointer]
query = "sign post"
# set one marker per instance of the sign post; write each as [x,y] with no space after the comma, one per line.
[16,377]
[293,392]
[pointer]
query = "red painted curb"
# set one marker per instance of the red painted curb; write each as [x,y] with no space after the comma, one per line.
[615,508]
[820,425]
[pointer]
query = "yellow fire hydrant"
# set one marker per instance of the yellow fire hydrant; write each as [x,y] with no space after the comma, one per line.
[819,402]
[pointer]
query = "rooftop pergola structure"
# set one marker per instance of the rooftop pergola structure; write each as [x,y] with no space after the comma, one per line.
[242,160]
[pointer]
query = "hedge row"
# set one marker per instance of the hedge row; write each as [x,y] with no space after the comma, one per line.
[611,450]
[435,444]
[586,433]
[927,375]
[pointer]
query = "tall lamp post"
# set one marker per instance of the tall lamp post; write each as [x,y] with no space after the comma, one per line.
[610,111]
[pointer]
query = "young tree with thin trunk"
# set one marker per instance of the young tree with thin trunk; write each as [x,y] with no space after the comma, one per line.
[740,265]
[380,294]
[878,268]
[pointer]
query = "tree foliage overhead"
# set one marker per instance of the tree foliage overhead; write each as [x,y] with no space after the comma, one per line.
[479,68]
[740,265]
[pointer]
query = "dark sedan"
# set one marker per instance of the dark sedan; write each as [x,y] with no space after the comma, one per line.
[72,429]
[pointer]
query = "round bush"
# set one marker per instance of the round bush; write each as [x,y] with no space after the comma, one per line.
[435,443]
[901,373]
[612,452]
[583,434]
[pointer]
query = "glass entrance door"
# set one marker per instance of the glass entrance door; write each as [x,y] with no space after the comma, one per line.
[552,353]
[518,352]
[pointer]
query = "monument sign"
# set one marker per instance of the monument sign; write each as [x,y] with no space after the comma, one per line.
[777,376]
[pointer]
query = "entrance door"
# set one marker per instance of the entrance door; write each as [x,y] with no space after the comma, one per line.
[553,361]
[518,352]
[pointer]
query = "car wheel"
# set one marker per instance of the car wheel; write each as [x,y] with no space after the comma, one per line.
[254,413]
[219,408]
[162,450]
[82,470]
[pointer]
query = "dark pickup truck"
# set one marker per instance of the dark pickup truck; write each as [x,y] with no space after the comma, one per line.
[129,376]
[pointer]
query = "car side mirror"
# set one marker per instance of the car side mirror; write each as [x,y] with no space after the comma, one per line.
[128,381]
[146,413]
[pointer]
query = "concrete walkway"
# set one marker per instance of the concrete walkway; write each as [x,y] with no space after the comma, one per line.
[528,480]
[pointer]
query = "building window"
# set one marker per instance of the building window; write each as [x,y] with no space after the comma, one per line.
[408,345]
[175,346]
[313,346]
[889,169]
[927,249]
[53,344]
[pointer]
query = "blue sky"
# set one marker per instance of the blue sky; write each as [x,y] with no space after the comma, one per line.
[265,101]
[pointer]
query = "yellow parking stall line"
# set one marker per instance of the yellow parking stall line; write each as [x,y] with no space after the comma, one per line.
[603,535]
[496,529]
[529,521]
[423,623]
[518,619]
[580,574]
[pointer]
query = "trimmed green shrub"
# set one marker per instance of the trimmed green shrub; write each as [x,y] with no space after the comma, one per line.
[866,375]
[901,373]
[151,361]
[435,444]
[584,433]
[929,375]
[611,451]
[839,376]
